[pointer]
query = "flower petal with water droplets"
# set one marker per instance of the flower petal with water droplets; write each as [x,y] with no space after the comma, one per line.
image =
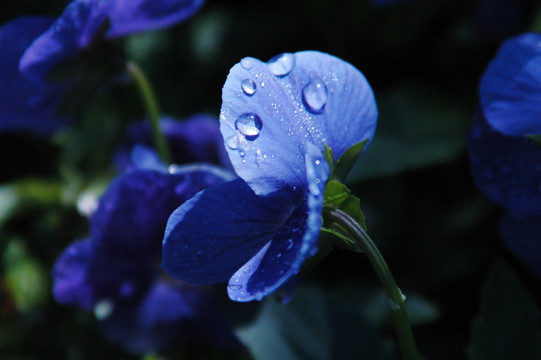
[338,109]
[281,258]
[213,234]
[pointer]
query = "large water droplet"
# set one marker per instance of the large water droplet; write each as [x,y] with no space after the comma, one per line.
[235,287]
[249,125]
[248,86]
[246,63]
[282,64]
[315,96]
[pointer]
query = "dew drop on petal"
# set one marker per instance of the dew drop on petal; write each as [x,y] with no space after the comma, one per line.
[246,63]
[315,96]
[281,65]
[248,86]
[234,287]
[289,244]
[232,142]
[249,125]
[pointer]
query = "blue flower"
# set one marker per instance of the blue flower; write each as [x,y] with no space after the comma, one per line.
[49,66]
[24,104]
[505,163]
[195,139]
[116,272]
[276,118]
[86,22]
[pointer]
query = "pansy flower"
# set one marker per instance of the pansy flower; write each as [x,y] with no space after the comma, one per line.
[86,23]
[24,104]
[195,139]
[116,272]
[49,65]
[255,233]
[505,159]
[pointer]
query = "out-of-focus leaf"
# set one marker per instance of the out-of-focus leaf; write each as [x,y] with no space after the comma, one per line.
[26,278]
[508,326]
[316,324]
[417,127]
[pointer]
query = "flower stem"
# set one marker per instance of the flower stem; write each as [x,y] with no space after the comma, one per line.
[151,104]
[396,299]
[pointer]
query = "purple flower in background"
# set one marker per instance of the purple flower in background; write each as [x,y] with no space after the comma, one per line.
[505,163]
[23,104]
[195,139]
[276,118]
[84,23]
[116,273]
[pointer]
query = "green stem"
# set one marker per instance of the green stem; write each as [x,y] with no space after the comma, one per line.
[396,298]
[151,104]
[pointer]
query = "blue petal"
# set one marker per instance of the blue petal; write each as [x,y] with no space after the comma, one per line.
[267,119]
[506,169]
[74,30]
[132,214]
[70,274]
[130,16]
[522,236]
[83,21]
[281,258]
[23,104]
[168,315]
[511,88]
[211,235]
[196,139]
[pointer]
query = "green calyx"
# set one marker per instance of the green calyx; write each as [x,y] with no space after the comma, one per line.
[339,196]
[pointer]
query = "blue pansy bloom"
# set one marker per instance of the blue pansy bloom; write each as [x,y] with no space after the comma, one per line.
[39,52]
[116,273]
[86,22]
[24,104]
[506,165]
[195,139]
[276,118]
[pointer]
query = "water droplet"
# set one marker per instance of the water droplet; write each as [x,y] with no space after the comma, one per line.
[248,86]
[249,125]
[289,244]
[232,142]
[235,287]
[103,309]
[282,64]
[246,63]
[314,96]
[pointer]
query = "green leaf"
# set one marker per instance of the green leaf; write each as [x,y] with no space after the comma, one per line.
[315,324]
[508,326]
[26,278]
[345,163]
[417,126]
[536,139]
